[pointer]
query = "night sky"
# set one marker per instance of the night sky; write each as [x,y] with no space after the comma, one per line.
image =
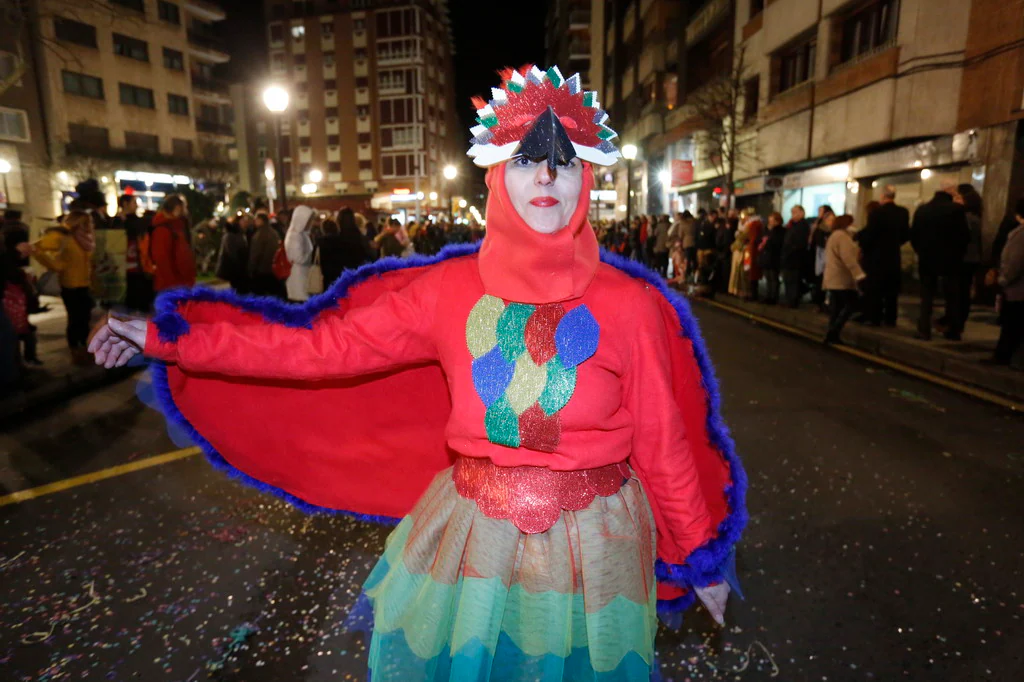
[487,38]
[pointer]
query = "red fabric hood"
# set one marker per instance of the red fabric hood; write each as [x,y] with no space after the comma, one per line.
[519,264]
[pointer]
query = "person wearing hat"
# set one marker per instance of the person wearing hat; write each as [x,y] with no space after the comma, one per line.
[567,477]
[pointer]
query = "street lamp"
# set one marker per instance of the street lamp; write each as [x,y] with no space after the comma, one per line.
[315,176]
[450,172]
[629,153]
[276,100]
[5,168]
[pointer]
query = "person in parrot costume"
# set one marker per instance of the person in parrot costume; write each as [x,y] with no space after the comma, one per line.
[568,477]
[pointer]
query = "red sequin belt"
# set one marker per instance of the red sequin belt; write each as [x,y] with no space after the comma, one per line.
[533,498]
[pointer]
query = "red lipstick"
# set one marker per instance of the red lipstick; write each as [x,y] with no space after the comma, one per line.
[544,202]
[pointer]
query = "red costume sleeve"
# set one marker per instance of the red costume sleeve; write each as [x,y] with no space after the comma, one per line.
[392,332]
[662,455]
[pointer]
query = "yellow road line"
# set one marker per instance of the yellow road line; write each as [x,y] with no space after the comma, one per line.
[978,393]
[103,474]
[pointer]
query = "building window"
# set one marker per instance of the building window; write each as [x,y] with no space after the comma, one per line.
[331,112]
[137,5]
[359,24]
[398,110]
[360,52]
[13,125]
[298,32]
[795,65]
[80,84]
[74,32]
[169,12]
[330,84]
[397,23]
[756,7]
[277,62]
[174,60]
[333,139]
[8,64]
[299,59]
[276,33]
[176,104]
[131,47]
[135,96]
[327,30]
[751,95]
[362,111]
[362,82]
[181,148]
[365,138]
[334,166]
[366,164]
[328,59]
[88,137]
[305,141]
[142,142]
[867,29]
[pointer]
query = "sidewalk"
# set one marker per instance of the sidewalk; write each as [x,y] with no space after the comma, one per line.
[956,361]
[58,379]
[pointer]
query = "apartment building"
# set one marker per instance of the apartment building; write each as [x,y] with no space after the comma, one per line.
[128,95]
[834,99]
[372,120]
[567,38]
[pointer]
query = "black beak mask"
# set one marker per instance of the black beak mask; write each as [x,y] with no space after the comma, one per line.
[548,139]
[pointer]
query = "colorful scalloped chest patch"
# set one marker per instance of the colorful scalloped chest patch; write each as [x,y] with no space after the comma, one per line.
[525,359]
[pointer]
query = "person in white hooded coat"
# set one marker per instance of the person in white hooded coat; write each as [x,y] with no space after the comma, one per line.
[298,246]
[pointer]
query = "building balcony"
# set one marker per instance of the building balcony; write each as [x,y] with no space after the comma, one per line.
[214,128]
[706,19]
[579,49]
[210,89]
[208,48]
[205,10]
[579,19]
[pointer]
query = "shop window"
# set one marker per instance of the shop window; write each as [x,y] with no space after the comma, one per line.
[794,65]
[76,32]
[867,29]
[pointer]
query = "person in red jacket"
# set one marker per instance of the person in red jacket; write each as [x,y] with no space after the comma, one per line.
[171,246]
[567,478]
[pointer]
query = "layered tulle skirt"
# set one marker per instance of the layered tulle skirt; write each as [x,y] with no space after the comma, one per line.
[462,597]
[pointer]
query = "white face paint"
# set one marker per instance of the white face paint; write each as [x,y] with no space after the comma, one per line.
[545,199]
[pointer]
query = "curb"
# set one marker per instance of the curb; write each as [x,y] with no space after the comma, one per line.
[1003,386]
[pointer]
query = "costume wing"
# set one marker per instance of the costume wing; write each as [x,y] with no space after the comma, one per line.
[368,446]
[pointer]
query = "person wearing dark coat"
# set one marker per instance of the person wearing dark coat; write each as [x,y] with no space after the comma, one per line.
[793,255]
[886,231]
[771,257]
[233,260]
[940,236]
[342,247]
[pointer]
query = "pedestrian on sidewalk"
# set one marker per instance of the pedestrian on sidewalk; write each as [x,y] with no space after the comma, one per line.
[971,200]
[688,239]
[1011,280]
[751,267]
[298,246]
[171,245]
[265,242]
[816,255]
[139,266]
[67,250]
[233,258]
[887,230]
[705,250]
[19,301]
[793,258]
[660,236]
[940,236]
[737,277]
[723,250]
[771,256]
[843,274]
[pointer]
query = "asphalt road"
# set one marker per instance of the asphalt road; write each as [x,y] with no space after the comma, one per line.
[885,542]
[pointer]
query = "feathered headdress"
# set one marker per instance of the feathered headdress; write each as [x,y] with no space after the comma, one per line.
[540,114]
